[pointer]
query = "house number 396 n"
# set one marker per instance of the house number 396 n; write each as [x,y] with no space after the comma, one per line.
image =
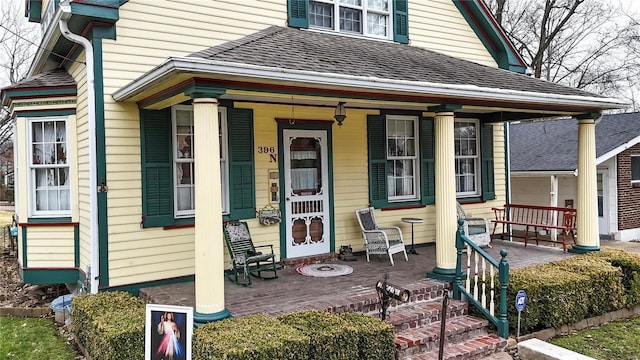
[266,149]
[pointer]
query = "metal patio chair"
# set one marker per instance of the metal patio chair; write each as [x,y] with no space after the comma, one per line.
[379,240]
[476,229]
[246,260]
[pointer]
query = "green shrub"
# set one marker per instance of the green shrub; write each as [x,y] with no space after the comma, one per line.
[110,325]
[331,337]
[253,337]
[375,337]
[629,264]
[570,290]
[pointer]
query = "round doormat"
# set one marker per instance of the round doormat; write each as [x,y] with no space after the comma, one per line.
[324,270]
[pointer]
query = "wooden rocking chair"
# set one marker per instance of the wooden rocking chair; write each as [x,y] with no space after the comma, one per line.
[246,260]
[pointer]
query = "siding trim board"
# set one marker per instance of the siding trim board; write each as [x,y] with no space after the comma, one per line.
[49,275]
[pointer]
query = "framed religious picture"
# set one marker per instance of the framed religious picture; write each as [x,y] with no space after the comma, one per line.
[168,332]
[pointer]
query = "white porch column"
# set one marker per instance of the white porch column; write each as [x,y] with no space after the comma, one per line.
[445,191]
[588,238]
[209,258]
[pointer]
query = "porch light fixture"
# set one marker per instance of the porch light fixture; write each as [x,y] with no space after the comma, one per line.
[340,113]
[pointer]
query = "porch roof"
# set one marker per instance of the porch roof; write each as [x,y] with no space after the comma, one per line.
[556,142]
[56,81]
[307,58]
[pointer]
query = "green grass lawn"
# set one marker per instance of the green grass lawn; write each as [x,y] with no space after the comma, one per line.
[26,339]
[618,340]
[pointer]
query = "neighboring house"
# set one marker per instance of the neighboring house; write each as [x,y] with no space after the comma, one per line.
[137,138]
[546,174]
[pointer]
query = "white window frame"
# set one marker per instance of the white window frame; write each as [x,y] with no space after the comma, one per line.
[475,157]
[631,157]
[224,160]
[415,157]
[364,9]
[33,211]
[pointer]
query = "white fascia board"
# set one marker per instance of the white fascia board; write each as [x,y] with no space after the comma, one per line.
[542,173]
[49,38]
[204,66]
[608,155]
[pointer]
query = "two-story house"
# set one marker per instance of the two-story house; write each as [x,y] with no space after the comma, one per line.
[145,124]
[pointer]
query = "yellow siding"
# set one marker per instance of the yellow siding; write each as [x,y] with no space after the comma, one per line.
[77,70]
[438,25]
[50,246]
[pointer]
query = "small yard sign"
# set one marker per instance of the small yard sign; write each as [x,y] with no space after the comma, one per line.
[521,302]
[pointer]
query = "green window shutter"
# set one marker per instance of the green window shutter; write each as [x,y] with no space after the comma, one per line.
[377,149]
[427,157]
[157,167]
[297,12]
[486,140]
[241,164]
[401,21]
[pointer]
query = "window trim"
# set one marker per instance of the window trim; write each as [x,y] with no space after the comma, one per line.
[224,161]
[633,181]
[364,10]
[415,158]
[477,174]
[33,212]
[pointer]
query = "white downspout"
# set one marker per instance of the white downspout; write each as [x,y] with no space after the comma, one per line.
[94,269]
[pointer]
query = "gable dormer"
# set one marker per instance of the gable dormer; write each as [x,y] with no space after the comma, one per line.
[381,19]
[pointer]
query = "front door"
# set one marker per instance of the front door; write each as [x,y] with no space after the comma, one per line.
[306,192]
[603,203]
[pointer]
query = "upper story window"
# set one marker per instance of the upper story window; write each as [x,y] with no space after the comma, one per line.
[365,17]
[635,169]
[467,155]
[383,19]
[49,167]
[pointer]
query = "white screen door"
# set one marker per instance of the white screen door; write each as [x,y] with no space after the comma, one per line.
[306,192]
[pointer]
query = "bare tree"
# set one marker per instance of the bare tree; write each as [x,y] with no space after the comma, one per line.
[18,44]
[587,44]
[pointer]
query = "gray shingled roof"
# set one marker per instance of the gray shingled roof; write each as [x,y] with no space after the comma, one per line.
[553,145]
[296,49]
[55,78]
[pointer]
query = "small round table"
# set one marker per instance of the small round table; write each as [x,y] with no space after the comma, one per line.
[412,220]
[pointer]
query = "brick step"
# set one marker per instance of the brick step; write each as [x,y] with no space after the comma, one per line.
[419,314]
[365,298]
[426,338]
[473,349]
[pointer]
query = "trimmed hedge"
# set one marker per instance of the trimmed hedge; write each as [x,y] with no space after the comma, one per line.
[375,337]
[253,337]
[110,325]
[567,291]
[331,337]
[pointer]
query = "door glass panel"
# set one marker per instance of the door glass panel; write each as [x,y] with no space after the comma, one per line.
[306,170]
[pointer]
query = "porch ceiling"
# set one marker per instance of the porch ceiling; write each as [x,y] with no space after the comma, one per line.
[283,65]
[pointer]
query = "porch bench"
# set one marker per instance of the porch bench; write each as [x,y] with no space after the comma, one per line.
[537,221]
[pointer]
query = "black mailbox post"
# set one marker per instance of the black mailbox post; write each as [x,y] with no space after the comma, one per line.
[387,291]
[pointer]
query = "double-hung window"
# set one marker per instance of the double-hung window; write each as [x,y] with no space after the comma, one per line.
[364,17]
[167,159]
[467,157]
[49,167]
[402,158]
[635,169]
[183,160]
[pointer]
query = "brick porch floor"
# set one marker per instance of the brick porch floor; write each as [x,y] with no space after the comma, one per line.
[292,291]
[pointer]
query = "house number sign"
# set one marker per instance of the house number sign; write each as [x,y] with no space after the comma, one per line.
[270,150]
